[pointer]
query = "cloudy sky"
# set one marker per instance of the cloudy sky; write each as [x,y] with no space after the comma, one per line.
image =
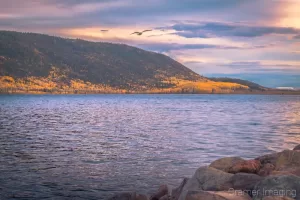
[257,40]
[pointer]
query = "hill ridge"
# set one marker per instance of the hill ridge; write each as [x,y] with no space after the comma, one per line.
[39,62]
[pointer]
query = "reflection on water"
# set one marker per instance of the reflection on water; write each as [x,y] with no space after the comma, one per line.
[89,147]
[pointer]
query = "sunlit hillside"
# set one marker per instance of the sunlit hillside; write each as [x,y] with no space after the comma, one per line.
[35,63]
[41,85]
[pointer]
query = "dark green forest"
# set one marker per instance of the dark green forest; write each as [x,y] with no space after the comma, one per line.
[117,65]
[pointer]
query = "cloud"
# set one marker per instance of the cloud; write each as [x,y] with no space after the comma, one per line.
[54,9]
[124,11]
[220,29]
[242,65]
[252,66]
[166,47]
[190,34]
[258,66]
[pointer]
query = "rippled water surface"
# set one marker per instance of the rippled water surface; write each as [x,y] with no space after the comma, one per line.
[89,147]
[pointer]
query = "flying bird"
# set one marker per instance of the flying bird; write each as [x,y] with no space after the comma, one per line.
[104,30]
[140,33]
[157,35]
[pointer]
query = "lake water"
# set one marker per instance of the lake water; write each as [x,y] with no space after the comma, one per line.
[92,146]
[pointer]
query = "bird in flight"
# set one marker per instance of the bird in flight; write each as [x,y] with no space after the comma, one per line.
[104,30]
[140,33]
[156,35]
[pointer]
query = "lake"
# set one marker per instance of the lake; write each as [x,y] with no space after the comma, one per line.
[92,146]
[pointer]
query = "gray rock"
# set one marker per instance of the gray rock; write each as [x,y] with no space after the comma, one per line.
[202,195]
[266,170]
[177,191]
[141,197]
[286,162]
[282,159]
[268,159]
[129,196]
[277,198]
[224,164]
[162,191]
[287,159]
[207,179]
[210,195]
[166,197]
[287,171]
[233,195]
[278,186]
[123,196]
[245,181]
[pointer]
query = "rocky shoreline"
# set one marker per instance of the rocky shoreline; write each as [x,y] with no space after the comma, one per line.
[270,177]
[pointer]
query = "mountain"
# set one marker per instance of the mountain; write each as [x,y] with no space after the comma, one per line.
[29,54]
[31,62]
[251,85]
[270,80]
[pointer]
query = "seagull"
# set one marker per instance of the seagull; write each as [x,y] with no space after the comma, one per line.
[156,35]
[140,33]
[104,30]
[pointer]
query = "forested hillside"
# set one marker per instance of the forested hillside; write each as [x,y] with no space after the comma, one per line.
[34,62]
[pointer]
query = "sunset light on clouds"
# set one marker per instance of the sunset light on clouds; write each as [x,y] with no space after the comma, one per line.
[256,39]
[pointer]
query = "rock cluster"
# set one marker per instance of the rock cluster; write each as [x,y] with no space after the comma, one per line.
[269,177]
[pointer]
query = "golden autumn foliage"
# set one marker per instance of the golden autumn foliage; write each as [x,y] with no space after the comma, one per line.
[46,85]
[56,83]
[51,84]
[186,86]
[37,85]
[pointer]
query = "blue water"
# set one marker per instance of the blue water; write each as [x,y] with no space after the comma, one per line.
[92,146]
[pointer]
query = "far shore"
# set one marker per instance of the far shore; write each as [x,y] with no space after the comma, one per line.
[81,92]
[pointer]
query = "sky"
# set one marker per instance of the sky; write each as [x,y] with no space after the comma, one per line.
[258,40]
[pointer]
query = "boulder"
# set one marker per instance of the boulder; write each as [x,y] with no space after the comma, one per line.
[288,162]
[123,196]
[233,195]
[277,198]
[288,185]
[297,148]
[285,162]
[246,166]
[282,159]
[245,181]
[202,195]
[177,191]
[166,197]
[209,195]
[141,197]
[268,159]
[224,164]
[266,170]
[162,191]
[287,171]
[129,196]
[207,179]
[287,159]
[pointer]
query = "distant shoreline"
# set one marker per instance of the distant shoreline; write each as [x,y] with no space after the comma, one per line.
[270,92]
